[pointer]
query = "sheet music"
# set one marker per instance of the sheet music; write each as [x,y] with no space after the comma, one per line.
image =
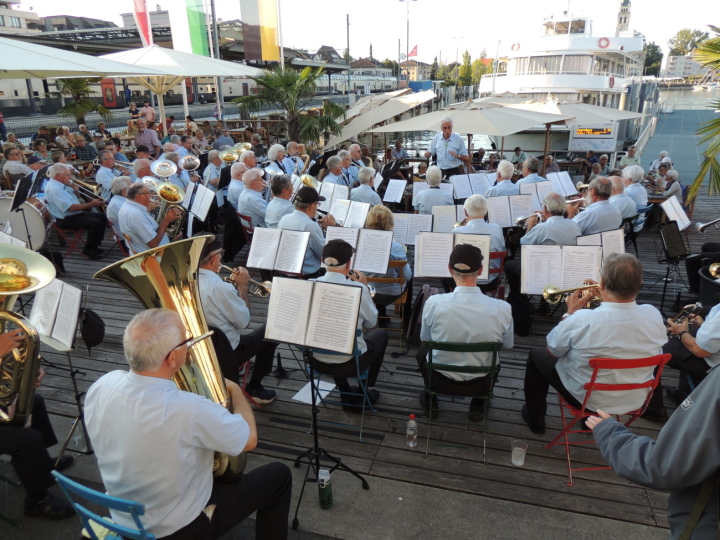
[556,184]
[296,183]
[479,183]
[287,310]
[613,242]
[66,320]
[45,307]
[417,188]
[340,192]
[499,211]
[373,251]
[460,213]
[188,196]
[447,188]
[357,214]
[339,210]
[520,206]
[432,254]
[543,188]
[203,201]
[530,189]
[326,190]
[541,266]
[6,238]
[589,240]
[491,178]
[220,195]
[482,242]
[55,313]
[400,229]
[580,263]
[567,183]
[461,183]
[444,217]
[291,251]
[418,223]
[263,248]
[349,234]
[394,191]
[333,317]
[675,212]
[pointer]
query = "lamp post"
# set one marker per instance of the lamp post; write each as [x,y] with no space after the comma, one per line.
[407,38]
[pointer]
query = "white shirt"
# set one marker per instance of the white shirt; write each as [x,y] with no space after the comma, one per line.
[708,336]
[613,330]
[113,210]
[59,198]
[331,178]
[137,223]
[251,203]
[637,193]
[104,178]
[211,171]
[675,190]
[430,197]
[155,444]
[456,316]
[277,208]
[276,167]
[624,204]
[555,231]
[599,217]
[497,240]
[364,193]
[235,188]
[532,178]
[223,308]
[502,188]
[442,147]
[293,164]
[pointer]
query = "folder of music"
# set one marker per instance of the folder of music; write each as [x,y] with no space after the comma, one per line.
[55,313]
[278,249]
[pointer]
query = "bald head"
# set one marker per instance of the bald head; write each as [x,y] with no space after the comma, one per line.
[618,185]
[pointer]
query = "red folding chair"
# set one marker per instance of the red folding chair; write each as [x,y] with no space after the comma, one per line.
[610,364]
[497,272]
[120,241]
[247,227]
[71,237]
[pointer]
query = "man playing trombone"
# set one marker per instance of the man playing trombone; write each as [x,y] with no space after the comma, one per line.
[107,172]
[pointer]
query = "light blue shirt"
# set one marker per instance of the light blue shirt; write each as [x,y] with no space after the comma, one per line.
[532,178]
[122,158]
[708,336]
[637,193]
[397,253]
[518,158]
[180,179]
[104,178]
[466,315]
[277,208]
[442,147]
[276,167]
[137,223]
[113,211]
[334,179]
[599,217]
[223,308]
[556,231]
[252,204]
[624,204]
[59,198]
[235,188]
[503,188]
[294,165]
[430,197]
[211,171]
[300,221]
[365,193]
[497,240]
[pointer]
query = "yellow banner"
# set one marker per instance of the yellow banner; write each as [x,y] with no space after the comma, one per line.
[269,30]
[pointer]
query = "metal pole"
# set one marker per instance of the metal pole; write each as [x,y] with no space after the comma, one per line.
[218,80]
[407,41]
[347,91]
[497,66]
[280,42]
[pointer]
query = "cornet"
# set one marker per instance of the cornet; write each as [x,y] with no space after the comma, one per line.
[553,294]
[255,288]
[700,227]
[522,221]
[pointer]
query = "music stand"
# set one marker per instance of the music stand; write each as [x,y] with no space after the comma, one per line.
[22,192]
[672,249]
[321,161]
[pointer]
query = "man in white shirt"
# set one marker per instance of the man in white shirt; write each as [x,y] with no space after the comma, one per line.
[433,196]
[250,201]
[119,188]
[530,171]
[106,173]
[140,169]
[293,162]
[449,149]
[211,174]
[550,165]
[629,159]
[454,317]
[155,443]
[655,165]
[335,172]
[600,215]
[280,204]
[633,176]
[147,112]
[138,226]
[504,184]
[365,192]
[236,186]
[619,200]
[619,328]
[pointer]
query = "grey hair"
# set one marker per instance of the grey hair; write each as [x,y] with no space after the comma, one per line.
[58,168]
[217,131]
[246,154]
[554,203]
[634,173]
[672,173]
[134,189]
[631,147]
[354,146]
[169,147]
[301,205]
[104,154]
[172,156]
[149,337]
[333,162]
[175,139]
[140,164]
[237,168]
[280,183]
[250,176]
[446,119]
[119,183]
[213,154]
[273,151]
[533,164]
[602,186]
[366,175]
[475,206]
[550,157]
[291,144]
[343,154]
[605,156]
[256,137]
[433,176]
[663,153]
[84,126]
[622,275]
[505,169]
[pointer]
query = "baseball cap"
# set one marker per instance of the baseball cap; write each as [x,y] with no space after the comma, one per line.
[337,253]
[35,159]
[466,259]
[97,134]
[308,195]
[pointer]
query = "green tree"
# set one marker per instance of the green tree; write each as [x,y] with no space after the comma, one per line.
[685,41]
[79,92]
[708,54]
[653,58]
[465,71]
[291,91]
[434,70]
[392,64]
[480,67]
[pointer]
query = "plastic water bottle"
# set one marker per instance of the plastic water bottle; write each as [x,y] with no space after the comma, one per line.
[412,432]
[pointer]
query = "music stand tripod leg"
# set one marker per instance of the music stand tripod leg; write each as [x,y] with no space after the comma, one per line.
[79,419]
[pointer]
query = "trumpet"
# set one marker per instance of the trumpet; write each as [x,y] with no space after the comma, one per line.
[355,276]
[575,201]
[522,220]
[700,227]
[553,294]
[684,313]
[255,288]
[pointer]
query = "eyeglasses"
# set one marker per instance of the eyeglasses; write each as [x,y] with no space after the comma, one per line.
[190,342]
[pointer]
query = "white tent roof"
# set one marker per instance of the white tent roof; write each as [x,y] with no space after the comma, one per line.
[22,60]
[365,103]
[581,113]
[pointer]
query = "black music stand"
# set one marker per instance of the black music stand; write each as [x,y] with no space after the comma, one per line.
[321,161]
[23,190]
[671,250]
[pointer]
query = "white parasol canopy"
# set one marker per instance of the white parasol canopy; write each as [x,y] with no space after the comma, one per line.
[366,103]
[581,113]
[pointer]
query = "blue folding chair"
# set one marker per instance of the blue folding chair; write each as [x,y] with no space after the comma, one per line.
[112,503]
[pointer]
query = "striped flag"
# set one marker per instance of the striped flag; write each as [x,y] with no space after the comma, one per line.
[260,29]
[142,20]
[188,26]
[413,52]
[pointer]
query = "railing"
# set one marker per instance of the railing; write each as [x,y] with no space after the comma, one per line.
[645,137]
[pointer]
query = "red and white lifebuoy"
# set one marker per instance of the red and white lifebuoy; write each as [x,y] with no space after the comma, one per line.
[612,82]
[603,43]
[515,47]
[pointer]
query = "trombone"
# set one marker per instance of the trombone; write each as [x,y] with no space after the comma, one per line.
[87,191]
[255,288]
[553,294]
[701,227]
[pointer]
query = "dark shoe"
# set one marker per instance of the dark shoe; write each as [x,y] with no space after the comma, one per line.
[261,394]
[383,322]
[655,414]
[50,507]
[430,409]
[351,401]
[538,427]
[92,255]
[64,463]
[374,395]
[677,395]
[477,410]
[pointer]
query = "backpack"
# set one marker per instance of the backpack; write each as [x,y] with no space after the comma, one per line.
[523,313]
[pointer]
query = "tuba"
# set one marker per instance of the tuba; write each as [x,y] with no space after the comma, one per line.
[166,277]
[21,271]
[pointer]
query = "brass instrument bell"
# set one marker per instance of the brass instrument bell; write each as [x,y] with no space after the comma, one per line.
[163,168]
[242,147]
[310,181]
[714,270]
[553,294]
[228,156]
[190,162]
[700,227]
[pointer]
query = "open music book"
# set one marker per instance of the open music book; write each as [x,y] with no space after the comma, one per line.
[610,241]
[278,249]
[562,183]
[200,204]
[537,191]
[469,184]
[506,209]
[314,314]
[675,212]
[55,313]
[564,266]
[422,186]
[332,192]
[394,191]
[372,247]
[350,213]
[444,217]
[432,252]
[407,227]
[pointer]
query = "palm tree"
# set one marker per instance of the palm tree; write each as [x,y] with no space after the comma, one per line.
[708,54]
[291,91]
[79,91]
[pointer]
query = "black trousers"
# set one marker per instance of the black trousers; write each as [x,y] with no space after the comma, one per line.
[540,375]
[447,173]
[376,341]
[710,251]
[93,222]
[252,344]
[233,237]
[27,449]
[684,361]
[266,490]
[442,384]
[513,273]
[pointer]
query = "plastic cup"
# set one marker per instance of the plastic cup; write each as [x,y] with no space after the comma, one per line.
[519,449]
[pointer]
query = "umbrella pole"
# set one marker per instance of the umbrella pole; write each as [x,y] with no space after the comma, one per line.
[502,148]
[161,105]
[545,150]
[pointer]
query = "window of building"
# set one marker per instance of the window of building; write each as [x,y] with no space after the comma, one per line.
[2,20]
[15,22]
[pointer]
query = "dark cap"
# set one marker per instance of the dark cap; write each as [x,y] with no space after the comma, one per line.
[214,244]
[142,148]
[308,195]
[97,134]
[466,259]
[337,253]
[35,159]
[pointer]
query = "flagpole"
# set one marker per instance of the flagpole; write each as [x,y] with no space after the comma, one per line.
[218,80]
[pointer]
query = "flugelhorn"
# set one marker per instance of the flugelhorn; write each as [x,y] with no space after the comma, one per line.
[553,294]
[522,220]
[255,288]
[700,227]
[684,313]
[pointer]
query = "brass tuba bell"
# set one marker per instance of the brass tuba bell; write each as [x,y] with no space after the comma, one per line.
[163,167]
[310,181]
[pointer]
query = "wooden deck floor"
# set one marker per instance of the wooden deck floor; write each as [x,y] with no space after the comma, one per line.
[456,458]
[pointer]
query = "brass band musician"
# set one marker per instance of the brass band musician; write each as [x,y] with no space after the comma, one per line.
[138,226]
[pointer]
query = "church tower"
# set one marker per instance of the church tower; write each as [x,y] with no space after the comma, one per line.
[623,22]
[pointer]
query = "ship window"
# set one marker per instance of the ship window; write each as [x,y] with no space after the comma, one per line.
[578,27]
[562,27]
[545,64]
[577,63]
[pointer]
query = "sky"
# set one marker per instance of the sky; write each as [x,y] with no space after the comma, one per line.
[443,29]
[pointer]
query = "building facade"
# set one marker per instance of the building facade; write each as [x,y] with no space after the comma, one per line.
[415,71]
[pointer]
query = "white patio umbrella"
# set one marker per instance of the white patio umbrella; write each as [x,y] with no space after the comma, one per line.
[174,66]
[366,103]
[581,113]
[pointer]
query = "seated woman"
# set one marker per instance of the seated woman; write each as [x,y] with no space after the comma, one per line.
[101,128]
[380,218]
[41,150]
[63,141]
[190,125]
[131,129]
